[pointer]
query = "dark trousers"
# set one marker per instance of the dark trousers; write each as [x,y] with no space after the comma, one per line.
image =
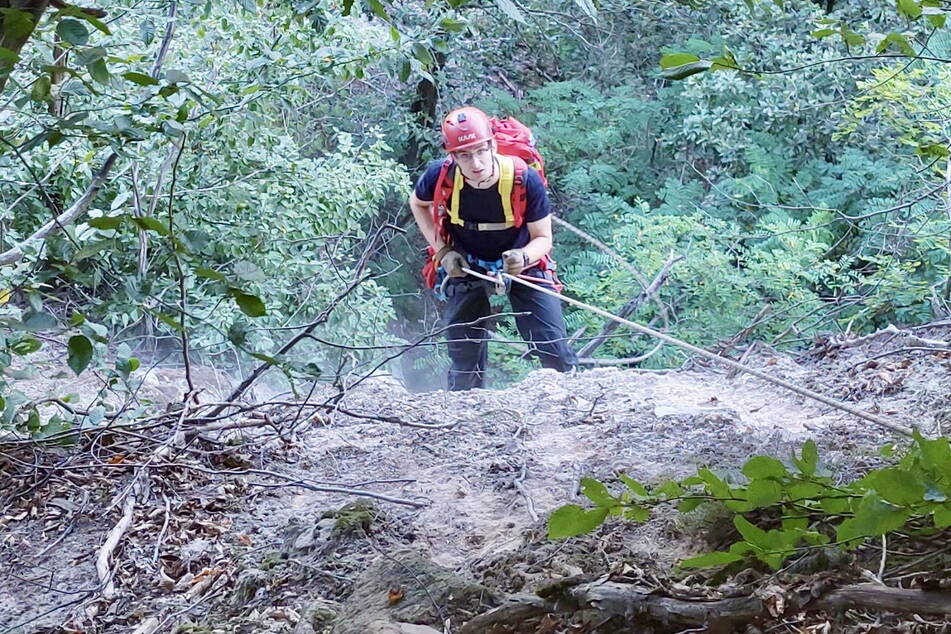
[543,327]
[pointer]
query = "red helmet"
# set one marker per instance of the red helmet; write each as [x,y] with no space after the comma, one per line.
[464,128]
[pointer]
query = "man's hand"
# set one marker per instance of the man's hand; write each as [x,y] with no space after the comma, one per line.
[451,261]
[515,260]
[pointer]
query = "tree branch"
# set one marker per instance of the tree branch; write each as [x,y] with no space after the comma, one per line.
[77,209]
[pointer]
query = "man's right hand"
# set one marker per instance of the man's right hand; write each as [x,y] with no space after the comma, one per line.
[452,262]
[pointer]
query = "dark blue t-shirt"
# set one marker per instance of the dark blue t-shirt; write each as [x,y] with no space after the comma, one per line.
[485,205]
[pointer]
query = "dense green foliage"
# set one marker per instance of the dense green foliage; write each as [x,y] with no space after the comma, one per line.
[263,160]
[781,510]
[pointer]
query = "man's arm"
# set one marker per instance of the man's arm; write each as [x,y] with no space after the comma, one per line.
[423,213]
[540,239]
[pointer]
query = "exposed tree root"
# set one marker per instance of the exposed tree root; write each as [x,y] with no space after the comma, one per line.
[632,602]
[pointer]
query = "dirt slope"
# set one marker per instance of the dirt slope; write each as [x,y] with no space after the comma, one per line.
[485,481]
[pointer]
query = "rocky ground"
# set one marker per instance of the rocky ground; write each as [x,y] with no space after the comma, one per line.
[264,533]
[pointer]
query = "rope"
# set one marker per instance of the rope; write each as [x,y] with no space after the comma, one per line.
[878,420]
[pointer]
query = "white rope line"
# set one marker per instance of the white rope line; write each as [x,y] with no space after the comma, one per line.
[878,420]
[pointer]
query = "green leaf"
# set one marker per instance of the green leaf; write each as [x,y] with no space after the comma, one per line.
[677,59]
[595,491]
[635,487]
[932,150]
[676,73]
[37,321]
[572,520]
[936,18]
[942,515]
[149,223]
[669,489]
[873,517]
[805,491]
[16,23]
[715,484]
[98,71]
[250,305]
[238,332]
[77,12]
[80,350]
[405,69]
[72,31]
[76,320]
[709,560]
[511,10]
[140,78]
[751,533]
[106,223]
[422,53]
[759,467]
[637,514]
[347,6]
[168,320]
[850,37]
[6,55]
[210,274]
[809,461]
[378,9]
[762,493]
[910,9]
[25,346]
[147,31]
[896,486]
[897,41]
[452,25]
[823,33]
[689,504]
[41,89]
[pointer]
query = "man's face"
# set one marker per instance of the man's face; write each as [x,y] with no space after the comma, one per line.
[476,162]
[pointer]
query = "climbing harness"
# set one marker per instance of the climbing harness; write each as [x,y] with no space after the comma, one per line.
[878,420]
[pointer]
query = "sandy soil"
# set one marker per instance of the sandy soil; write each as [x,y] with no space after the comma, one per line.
[487,481]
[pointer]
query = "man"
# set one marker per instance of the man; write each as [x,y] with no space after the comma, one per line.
[472,224]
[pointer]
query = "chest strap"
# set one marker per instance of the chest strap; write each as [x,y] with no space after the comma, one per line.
[505,186]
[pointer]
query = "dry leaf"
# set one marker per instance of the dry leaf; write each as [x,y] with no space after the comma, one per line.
[394,596]
[244,540]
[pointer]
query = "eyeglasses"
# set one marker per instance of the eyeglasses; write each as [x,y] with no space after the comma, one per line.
[482,153]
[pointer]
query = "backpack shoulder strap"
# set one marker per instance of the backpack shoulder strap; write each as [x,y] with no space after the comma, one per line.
[517,196]
[507,169]
[443,193]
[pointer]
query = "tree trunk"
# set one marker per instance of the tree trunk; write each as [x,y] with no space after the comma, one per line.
[13,37]
[423,110]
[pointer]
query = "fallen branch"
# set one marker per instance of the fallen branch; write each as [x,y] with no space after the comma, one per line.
[907,336]
[106,551]
[647,292]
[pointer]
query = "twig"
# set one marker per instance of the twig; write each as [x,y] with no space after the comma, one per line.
[520,487]
[161,535]
[103,568]
[183,295]
[166,39]
[261,369]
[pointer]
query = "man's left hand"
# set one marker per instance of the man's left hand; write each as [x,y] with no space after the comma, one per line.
[515,261]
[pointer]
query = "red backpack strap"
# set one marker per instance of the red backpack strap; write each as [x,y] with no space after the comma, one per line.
[519,202]
[442,194]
